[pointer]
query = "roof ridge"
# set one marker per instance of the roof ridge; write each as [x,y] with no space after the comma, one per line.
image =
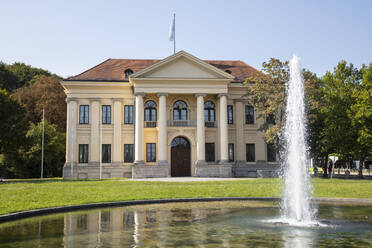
[89,69]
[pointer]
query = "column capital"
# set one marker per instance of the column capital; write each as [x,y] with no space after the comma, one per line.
[71,99]
[139,94]
[162,94]
[117,99]
[222,94]
[239,100]
[94,99]
[200,94]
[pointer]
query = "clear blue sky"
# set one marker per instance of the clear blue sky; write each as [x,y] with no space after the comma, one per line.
[68,37]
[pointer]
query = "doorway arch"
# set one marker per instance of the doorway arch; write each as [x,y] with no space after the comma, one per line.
[180,157]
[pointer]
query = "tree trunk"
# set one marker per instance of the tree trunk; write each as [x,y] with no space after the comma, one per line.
[361,166]
[325,166]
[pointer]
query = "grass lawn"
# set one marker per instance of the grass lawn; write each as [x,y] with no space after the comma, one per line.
[19,195]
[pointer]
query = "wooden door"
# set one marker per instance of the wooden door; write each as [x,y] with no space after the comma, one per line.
[180,158]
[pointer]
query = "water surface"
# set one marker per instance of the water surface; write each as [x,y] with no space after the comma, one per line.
[212,224]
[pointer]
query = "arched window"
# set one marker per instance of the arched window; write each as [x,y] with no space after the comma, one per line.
[127,72]
[180,111]
[150,111]
[209,112]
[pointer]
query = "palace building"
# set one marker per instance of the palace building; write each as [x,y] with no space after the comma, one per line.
[180,116]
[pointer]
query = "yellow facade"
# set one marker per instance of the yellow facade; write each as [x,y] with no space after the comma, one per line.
[178,77]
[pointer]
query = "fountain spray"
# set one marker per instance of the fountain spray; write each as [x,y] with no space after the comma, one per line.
[296,207]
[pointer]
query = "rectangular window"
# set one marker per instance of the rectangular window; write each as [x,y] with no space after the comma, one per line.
[106,153]
[128,114]
[270,119]
[271,153]
[128,153]
[106,114]
[83,153]
[230,115]
[209,152]
[150,152]
[250,153]
[84,114]
[231,152]
[249,115]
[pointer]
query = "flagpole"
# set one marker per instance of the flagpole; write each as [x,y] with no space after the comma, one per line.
[174,40]
[42,149]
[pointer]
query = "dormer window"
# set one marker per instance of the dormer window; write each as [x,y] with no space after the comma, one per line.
[228,71]
[127,73]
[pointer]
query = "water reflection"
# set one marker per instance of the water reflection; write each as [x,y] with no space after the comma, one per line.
[182,225]
[298,237]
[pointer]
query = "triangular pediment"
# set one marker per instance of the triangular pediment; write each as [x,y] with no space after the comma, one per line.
[182,65]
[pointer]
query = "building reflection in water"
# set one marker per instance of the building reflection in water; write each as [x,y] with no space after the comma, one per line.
[134,228]
[176,225]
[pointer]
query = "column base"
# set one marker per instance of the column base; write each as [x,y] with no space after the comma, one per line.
[69,164]
[241,162]
[94,163]
[139,162]
[162,162]
[201,162]
[117,163]
[223,162]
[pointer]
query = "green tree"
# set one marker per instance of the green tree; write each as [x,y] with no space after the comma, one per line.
[360,114]
[267,93]
[8,80]
[337,134]
[25,73]
[13,126]
[54,151]
[45,92]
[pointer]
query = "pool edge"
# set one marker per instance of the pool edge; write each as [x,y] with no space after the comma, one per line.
[43,211]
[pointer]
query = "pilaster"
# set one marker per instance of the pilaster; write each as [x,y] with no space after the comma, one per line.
[200,130]
[117,149]
[138,150]
[162,127]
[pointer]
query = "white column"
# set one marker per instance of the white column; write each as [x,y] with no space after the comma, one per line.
[162,127]
[71,129]
[200,129]
[117,149]
[240,146]
[138,155]
[94,149]
[223,128]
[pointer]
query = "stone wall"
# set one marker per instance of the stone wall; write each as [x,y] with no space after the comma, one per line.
[149,171]
[153,171]
[92,171]
[256,170]
[213,170]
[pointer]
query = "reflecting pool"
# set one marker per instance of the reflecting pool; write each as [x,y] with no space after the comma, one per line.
[212,224]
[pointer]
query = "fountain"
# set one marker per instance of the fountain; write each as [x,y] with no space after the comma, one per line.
[296,208]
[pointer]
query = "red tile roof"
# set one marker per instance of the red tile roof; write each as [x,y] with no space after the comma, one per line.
[113,69]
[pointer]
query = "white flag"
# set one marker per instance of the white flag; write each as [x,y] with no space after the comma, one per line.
[172,29]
